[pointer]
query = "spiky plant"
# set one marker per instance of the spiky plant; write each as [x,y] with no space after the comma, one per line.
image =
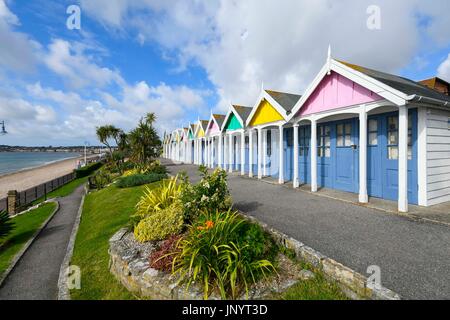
[6,225]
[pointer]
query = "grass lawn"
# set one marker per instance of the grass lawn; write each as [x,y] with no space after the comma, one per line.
[104,213]
[26,226]
[315,289]
[65,190]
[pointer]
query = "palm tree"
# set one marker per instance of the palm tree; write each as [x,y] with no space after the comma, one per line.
[104,133]
[144,140]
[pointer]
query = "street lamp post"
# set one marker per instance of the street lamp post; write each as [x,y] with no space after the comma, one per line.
[85,158]
[3,130]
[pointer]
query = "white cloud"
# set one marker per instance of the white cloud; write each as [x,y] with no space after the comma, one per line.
[69,61]
[283,43]
[7,15]
[17,51]
[444,69]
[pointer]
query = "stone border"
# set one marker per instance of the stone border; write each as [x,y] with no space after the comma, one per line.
[63,290]
[130,265]
[22,251]
[351,282]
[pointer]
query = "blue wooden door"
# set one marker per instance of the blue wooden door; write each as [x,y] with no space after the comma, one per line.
[374,148]
[304,155]
[389,155]
[345,156]
[247,154]
[324,160]
[288,153]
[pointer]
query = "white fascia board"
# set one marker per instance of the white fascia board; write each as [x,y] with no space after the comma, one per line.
[237,116]
[226,118]
[255,107]
[276,105]
[309,91]
[381,89]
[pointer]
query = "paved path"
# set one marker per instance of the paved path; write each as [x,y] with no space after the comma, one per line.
[35,277]
[414,256]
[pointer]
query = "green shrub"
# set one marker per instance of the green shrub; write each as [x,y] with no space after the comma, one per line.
[210,254]
[157,169]
[6,225]
[102,178]
[258,243]
[160,225]
[209,195]
[139,179]
[159,198]
[88,170]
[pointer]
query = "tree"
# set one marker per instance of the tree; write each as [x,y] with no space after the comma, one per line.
[144,140]
[104,133]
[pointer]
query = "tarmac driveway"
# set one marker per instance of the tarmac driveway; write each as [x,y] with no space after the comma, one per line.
[414,257]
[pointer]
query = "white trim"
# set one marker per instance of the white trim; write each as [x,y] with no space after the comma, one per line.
[363,195]
[215,121]
[295,182]
[250,154]
[422,178]
[313,151]
[242,152]
[281,155]
[403,159]
[232,110]
[381,89]
[260,149]
[273,103]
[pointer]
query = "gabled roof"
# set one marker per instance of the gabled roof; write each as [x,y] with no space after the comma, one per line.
[281,101]
[437,84]
[201,124]
[397,90]
[401,84]
[217,119]
[286,100]
[242,112]
[204,124]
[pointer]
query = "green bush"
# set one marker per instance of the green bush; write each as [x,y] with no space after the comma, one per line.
[6,225]
[102,178]
[160,225]
[159,198]
[157,169]
[209,195]
[88,170]
[258,244]
[210,254]
[139,179]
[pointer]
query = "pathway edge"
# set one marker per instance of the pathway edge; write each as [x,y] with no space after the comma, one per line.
[63,290]
[22,251]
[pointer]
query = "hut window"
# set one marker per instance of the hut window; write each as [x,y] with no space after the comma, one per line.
[324,142]
[269,143]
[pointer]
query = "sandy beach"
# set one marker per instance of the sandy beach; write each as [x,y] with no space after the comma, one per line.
[28,178]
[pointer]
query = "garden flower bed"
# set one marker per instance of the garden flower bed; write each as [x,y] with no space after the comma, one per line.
[185,242]
[129,262]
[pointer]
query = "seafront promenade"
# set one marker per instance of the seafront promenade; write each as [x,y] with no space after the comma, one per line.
[29,178]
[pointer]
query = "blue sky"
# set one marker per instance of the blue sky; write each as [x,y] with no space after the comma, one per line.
[183,59]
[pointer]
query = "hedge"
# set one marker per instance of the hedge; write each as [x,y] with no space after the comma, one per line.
[139,179]
[88,170]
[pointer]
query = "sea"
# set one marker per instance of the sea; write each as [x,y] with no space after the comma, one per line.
[17,161]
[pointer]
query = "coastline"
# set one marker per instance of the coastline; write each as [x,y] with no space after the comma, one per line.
[39,166]
[30,177]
